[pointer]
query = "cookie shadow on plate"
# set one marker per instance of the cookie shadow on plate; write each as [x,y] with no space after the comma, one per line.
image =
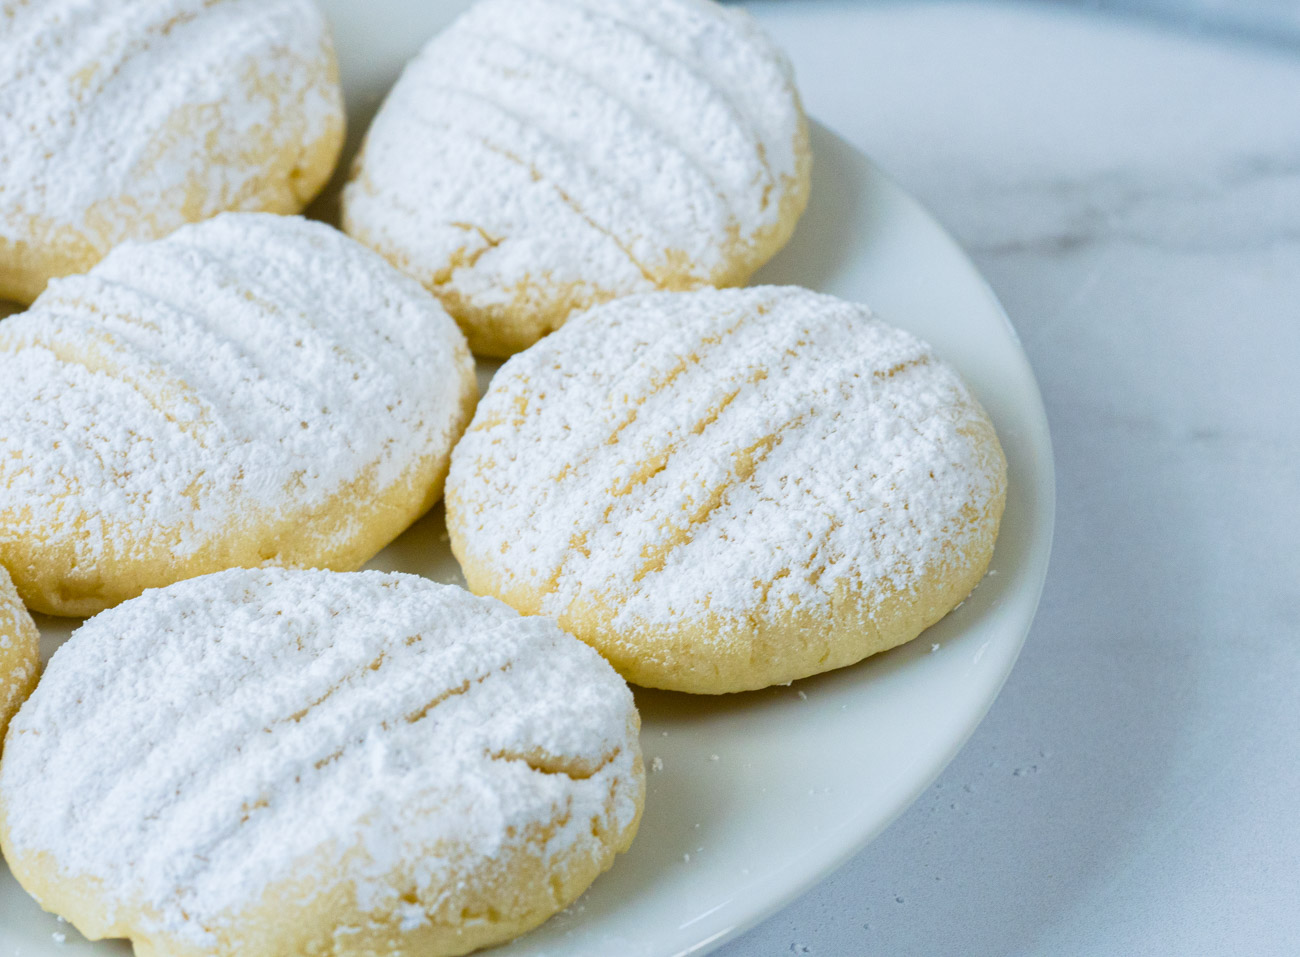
[831,230]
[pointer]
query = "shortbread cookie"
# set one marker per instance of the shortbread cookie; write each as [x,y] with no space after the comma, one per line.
[723,490]
[125,120]
[251,390]
[264,763]
[20,648]
[542,156]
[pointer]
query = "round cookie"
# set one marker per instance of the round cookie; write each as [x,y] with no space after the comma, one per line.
[266,762]
[253,389]
[20,647]
[728,489]
[542,156]
[126,120]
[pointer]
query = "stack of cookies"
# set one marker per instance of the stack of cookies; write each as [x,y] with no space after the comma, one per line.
[215,412]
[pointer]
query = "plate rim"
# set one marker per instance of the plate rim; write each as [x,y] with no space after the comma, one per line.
[1038,560]
[853,834]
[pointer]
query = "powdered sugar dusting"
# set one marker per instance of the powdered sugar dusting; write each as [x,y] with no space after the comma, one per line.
[193,746]
[19,652]
[620,146]
[128,119]
[240,370]
[680,455]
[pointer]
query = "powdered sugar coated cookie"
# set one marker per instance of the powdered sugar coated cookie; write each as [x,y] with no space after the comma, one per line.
[270,762]
[252,389]
[125,120]
[541,156]
[727,489]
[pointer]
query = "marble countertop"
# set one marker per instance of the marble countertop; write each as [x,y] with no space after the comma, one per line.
[1132,192]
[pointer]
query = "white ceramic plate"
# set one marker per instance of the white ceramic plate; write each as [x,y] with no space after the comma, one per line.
[762,794]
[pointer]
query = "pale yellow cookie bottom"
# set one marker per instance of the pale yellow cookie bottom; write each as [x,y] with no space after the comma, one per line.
[768,645]
[290,176]
[721,654]
[317,913]
[539,305]
[342,534]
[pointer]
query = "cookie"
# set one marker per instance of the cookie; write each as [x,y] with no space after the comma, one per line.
[267,762]
[727,489]
[542,156]
[20,647]
[251,390]
[126,120]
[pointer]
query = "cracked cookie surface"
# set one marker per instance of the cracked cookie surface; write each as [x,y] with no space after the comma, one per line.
[269,762]
[726,489]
